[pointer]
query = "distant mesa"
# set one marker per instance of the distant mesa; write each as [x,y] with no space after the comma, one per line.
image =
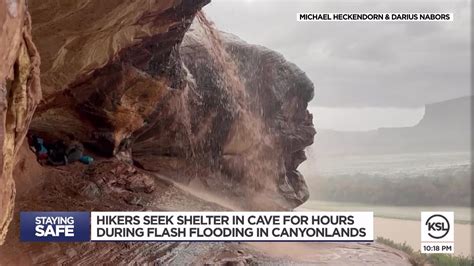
[445,127]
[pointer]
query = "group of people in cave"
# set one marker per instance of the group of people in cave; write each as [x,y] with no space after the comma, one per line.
[59,152]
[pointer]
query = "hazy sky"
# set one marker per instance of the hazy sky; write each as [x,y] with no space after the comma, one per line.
[362,70]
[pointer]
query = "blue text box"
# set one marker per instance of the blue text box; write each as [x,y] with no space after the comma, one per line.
[55,226]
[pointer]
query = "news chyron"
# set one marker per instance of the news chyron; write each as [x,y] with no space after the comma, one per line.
[197,226]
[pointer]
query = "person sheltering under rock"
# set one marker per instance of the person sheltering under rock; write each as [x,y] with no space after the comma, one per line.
[59,152]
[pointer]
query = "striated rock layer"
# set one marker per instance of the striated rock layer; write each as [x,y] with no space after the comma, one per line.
[107,66]
[20,92]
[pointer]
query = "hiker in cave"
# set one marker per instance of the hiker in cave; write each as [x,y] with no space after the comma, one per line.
[63,154]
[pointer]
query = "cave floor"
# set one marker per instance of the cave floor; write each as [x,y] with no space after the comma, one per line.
[98,188]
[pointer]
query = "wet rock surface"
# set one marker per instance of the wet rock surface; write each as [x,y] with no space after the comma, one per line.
[245,123]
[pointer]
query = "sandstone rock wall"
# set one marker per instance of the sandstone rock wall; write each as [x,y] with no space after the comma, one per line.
[20,92]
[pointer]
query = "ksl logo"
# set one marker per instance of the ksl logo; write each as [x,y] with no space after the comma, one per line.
[55,226]
[437,226]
